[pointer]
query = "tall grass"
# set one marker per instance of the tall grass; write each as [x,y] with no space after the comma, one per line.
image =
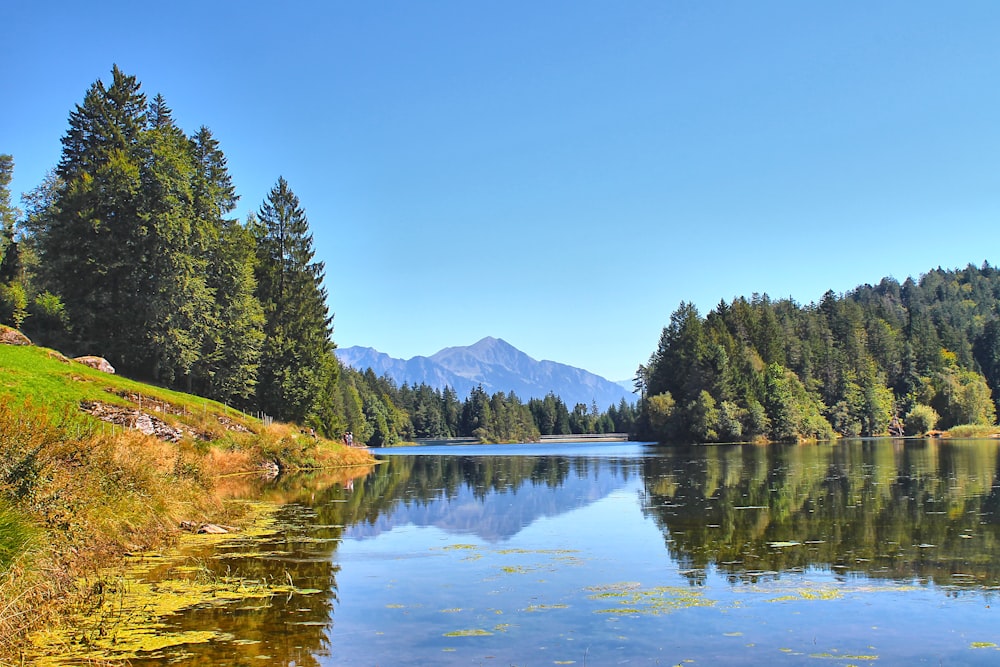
[76,493]
[17,536]
[972,431]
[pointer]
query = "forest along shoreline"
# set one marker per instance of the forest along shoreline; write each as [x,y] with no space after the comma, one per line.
[82,487]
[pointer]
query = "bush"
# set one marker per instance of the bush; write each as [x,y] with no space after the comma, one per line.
[920,420]
[13,304]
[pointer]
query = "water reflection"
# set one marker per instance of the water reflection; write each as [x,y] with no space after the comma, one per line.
[490,497]
[388,566]
[914,509]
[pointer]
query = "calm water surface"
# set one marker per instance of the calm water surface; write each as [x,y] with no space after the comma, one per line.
[860,552]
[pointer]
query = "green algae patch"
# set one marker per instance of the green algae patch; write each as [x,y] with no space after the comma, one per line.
[634,600]
[983,645]
[475,632]
[810,594]
[125,614]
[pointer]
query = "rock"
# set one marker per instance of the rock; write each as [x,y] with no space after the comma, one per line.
[212,529]
[205,528]
[10,336]
[99,363]
[270,469]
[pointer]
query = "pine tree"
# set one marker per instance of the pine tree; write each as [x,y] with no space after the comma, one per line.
[94,231]
[172,258]
[230,352]
[297,325]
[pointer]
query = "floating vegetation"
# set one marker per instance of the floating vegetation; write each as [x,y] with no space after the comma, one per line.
[545,607]
[983,645]
[843,656]
[459,547]
[810,594]
[453,610]
[502,627]
[513,569]
[475,632]
[657,601]
[395,606]
[123,615]
[126,620]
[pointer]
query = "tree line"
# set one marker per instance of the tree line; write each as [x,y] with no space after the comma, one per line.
[383,413]
[129,250]
[916,356]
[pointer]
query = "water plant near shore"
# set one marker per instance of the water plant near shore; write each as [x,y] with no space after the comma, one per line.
[82,493]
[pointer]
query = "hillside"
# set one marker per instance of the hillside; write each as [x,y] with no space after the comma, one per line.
[94,465]
[883,359]
[497,366]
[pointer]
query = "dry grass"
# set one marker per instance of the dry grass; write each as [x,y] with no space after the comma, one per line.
[92,494]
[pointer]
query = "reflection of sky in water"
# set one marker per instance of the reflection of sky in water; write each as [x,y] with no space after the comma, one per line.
[592,577]
[641,556]
[498,516]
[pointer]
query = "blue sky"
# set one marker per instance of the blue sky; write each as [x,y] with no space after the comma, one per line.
[561,174]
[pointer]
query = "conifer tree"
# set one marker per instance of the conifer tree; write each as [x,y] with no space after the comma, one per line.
[94,233]
[172,259]
[297,325]
[230,352]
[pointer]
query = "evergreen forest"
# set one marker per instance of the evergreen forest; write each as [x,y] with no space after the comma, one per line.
[886,359]
[129,250]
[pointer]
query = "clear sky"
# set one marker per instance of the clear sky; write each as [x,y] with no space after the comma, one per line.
[560,174]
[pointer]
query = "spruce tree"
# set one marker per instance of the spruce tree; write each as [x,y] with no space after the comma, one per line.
[230,352]
[172,259]
[95,232]
[297,325]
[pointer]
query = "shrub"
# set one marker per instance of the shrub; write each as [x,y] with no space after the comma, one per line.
[13,304]
[921,419]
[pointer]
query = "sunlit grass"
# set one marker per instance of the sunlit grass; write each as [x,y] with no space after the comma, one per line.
[972,431]
[90,491]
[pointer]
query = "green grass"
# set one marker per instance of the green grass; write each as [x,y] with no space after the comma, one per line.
[76,493]
[58,385]
[972,431]
[17,535]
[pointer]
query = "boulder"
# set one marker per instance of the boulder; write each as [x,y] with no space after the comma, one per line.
[10,336]
[100,363]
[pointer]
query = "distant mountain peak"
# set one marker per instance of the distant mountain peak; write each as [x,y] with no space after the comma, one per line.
[497,366]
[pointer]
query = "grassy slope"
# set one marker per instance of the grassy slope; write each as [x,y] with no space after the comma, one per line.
[77,492]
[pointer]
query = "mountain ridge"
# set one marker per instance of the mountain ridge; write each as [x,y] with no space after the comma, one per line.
[497,366]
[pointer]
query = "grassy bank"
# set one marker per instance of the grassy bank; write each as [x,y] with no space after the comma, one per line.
[80,486]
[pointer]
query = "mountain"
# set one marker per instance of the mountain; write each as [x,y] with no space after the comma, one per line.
[497,366]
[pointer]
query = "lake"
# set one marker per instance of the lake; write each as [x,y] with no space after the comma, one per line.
[880,552]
